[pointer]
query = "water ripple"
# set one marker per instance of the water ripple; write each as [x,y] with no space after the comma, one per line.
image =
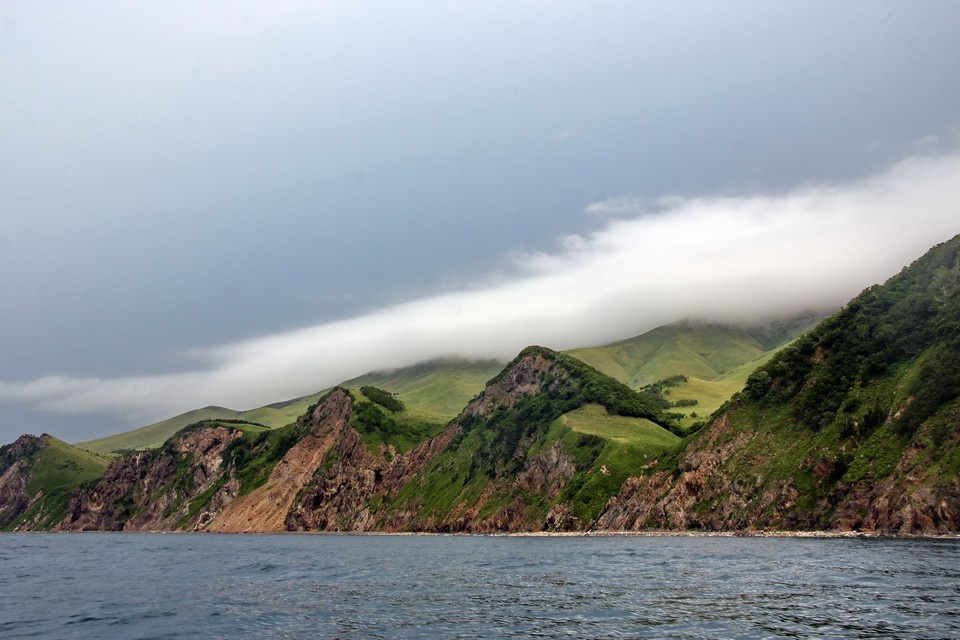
[140,586]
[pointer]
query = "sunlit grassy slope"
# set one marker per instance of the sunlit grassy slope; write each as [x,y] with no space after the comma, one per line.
[155,434]
[715,359]
[441,387]
[594,419]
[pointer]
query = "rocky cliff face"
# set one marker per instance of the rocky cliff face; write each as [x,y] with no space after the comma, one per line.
[153,490]
[357,486]
[266,508]
[15,474]
[715,487]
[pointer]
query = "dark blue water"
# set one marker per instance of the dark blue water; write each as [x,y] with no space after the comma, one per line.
[314,586]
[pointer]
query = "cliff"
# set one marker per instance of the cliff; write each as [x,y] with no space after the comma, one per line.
[854,427]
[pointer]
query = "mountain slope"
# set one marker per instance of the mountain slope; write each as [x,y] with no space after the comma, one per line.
[716,361]
[708,363]
[508,462]
[438,389]
[856,425]
[37,477]
[545,445]
[442,387]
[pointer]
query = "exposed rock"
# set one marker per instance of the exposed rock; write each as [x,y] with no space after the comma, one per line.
[547,472]
[266,508]
[532,374]
[151,491]
[15,474]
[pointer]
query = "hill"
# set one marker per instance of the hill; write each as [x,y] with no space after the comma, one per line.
[438,389]
[705,364]
[443,387]
[37,477]
[545,445]
[714,360]
[153,435]
[854,426]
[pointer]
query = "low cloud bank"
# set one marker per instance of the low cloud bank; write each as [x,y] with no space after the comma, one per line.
[728,259]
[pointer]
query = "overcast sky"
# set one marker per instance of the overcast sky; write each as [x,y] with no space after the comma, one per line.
[238,202]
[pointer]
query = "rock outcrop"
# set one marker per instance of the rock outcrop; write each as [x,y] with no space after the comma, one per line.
[153,490]
[15,474]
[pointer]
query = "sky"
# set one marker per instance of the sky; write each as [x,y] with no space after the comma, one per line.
[236,203]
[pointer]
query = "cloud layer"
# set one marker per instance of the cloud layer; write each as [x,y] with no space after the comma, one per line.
[730,259]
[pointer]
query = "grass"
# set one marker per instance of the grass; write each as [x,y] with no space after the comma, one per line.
[627,444]
[58,469]
[440,387]
[282,413]
[434,391]
[716,361]
[593,419]
[403,429]
[156,434]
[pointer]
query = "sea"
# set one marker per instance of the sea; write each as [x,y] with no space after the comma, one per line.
[136,585]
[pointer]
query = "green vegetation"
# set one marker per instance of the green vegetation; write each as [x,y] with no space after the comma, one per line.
[154,435]
[440,387]
[253,456]
[705,364]
[57,468]
[628,444]
[378,423]
[594,419]
[870,396]
[911,318]
[383,398]
[608,429]
[281,414]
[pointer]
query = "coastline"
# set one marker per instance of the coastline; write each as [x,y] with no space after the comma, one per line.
[819,534]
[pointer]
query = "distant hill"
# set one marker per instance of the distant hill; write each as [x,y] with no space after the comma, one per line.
[714,359]
[437,388]
[155,434]
[443,387]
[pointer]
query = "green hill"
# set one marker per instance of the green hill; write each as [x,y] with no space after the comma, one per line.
[546,444]
[714,359]
[155,434]
[436,390]
[442,387]
[38,477]
[852,426]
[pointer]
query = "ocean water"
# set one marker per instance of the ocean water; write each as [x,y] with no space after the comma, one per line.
[103,585]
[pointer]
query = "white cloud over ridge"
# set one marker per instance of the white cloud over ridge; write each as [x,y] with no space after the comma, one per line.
[730,259]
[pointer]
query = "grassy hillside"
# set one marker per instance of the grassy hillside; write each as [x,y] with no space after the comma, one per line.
[436,391]
[56,469]
[852,426]
[281,413]
[156,434]
[571,441]
[441,387]
[715,360]
[380,418]
[593,419]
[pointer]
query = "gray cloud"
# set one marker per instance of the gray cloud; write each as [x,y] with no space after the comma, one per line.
[718,258]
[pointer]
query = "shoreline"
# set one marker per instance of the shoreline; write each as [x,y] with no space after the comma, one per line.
[561,534]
